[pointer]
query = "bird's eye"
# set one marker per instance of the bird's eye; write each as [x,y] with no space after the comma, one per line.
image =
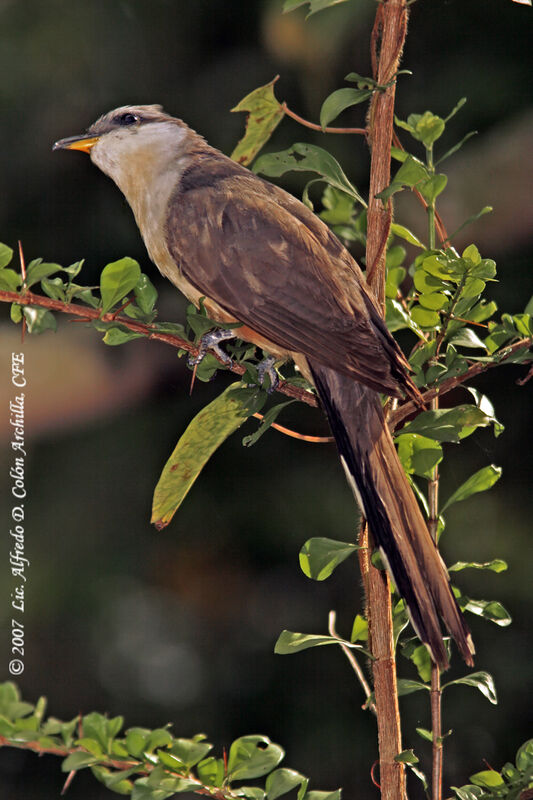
[127,119]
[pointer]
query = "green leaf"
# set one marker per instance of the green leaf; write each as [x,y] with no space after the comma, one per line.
[455,148]
[190,752]
[426,283]
[405,233]
[336,795]
[523,323]
[37,270]
[53,287]
[524,756]
[480,481]
[460,103]
[359,629]
[448,424]
[94,726]
[211,771]
[491,610]
[405,686]
[250,792]
[74,269]
[339,100]
[320,556]
[425,318]
[487,778]
[395,276]
[265,113]
[496,565]
[117,280]
[473,218]
[407,757]
[418,454]
[425,734]
[465,337]
[469,792]
[425,128]
[397,318]
[252,757]
[290,642]
[338,207]
[480,680]
[79,760]
[395,256]
[307,158]
[39,320]
[473,288]
[6,254]
[314,5]
[431,188]
[142,791]
[117,781]
[282,781]
[445,266]
[172,762]
[119,335]
[85,295]
[145,293]
[211,426]
[265,423]
[136,739]
[434,301]
[9,280]
[422,661]
[411,172]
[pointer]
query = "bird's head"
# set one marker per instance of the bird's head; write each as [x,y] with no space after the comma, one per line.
[132,142]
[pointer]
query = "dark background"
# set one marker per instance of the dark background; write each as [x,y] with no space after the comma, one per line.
[179,626]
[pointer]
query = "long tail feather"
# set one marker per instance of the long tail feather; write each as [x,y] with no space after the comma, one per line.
[387,502]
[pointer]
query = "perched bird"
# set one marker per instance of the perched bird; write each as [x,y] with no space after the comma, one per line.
[263,259]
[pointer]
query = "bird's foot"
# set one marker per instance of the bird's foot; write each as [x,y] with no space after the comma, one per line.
[266,368]
[211,341]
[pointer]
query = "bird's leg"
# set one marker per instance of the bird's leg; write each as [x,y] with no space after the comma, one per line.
[211,341]
[266,367]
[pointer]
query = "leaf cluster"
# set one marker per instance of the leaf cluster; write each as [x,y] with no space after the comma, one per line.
[151,764]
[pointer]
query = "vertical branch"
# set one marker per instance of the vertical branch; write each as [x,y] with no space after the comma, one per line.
[388,37]
[436,692]
[433,524]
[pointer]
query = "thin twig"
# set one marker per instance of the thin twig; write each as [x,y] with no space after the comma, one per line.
[302,437]
[315,127]
[353,661]
[436,691]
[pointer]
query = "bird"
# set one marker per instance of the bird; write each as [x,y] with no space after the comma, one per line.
[254,255]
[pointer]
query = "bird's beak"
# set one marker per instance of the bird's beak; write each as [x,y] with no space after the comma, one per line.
[83,143]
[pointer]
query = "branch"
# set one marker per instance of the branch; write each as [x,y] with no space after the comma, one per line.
[388,37]
[451,383]
[144,768]
[150,331]
[353,661]
[315,127]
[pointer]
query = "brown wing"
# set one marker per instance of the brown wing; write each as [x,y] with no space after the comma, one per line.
[265,258]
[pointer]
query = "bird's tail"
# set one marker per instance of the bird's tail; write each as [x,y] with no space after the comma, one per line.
[378,480]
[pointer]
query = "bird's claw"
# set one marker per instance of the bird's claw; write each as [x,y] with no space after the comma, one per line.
[264,368]
[211,341]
